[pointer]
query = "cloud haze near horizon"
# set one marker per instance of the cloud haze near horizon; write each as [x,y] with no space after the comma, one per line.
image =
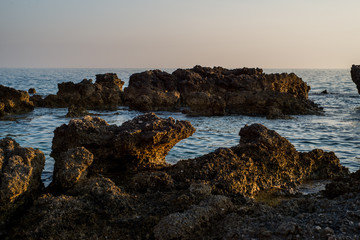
[168,33]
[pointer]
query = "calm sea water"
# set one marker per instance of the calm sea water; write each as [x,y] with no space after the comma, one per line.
[337,130]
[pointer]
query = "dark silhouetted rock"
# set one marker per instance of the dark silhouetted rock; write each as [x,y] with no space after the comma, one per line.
[263,160]
[14,101]
[347,185]
[105,93]
[324,92]
[219,91]
[20,177]
[355,76]
[185,225]
[139,143]
[91,210]
[75,111]
[32,90]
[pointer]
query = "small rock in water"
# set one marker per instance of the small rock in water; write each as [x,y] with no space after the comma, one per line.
[324,92]
[32,91]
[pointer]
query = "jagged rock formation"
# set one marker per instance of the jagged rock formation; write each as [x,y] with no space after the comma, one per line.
[20,177]
[141,142]
[263,160]
[105,93]
[355,76]
[219,91]
[14,101]
[197,198]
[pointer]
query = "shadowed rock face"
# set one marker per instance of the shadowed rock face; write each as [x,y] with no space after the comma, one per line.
[20,176]
[75,111]
[355,76]
[219,91]
[105,93]
[263,160]
[14,101]
[139,143]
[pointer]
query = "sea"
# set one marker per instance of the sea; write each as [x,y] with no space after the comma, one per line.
[337,130]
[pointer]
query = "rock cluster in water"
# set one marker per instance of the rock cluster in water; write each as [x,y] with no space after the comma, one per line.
[197,91]
[355,75]
[14,101]
[112,182]
[105,93]
[219,91]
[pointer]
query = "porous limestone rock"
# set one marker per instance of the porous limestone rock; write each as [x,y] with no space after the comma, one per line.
[263,160]
[14,101]
[71,166]
[139,143]
[20,177]
[219,91]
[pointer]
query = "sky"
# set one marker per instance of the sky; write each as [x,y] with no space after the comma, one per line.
[172,34]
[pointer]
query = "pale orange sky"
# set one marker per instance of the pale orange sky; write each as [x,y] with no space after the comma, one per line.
[169,33]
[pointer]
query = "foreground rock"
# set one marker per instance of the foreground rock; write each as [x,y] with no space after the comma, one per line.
[105,93]
[263,160]
[20,177]
[219,91]
[355,76]
[139,143]
[14,101]
[201,198]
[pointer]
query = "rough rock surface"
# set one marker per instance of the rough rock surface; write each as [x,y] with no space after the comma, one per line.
[219,91]
[184,225]
[105,93]
[139,143]
[201,198]
[355,75]
[71,166]
[14,101]
[263,160]
[152,91]
[20,176]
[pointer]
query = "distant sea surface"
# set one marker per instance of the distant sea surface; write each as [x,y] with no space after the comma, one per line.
[337,130]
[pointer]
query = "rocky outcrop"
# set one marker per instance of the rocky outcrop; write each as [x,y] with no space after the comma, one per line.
[105,93]
[184,225]
[14,101]
[263,160]
[355,76]
[205,197]
[76,111]
[219,91]
[71,166]
[346,185]
[152,91]
[139,143]
[96,209]
[20,177]
[32,90]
